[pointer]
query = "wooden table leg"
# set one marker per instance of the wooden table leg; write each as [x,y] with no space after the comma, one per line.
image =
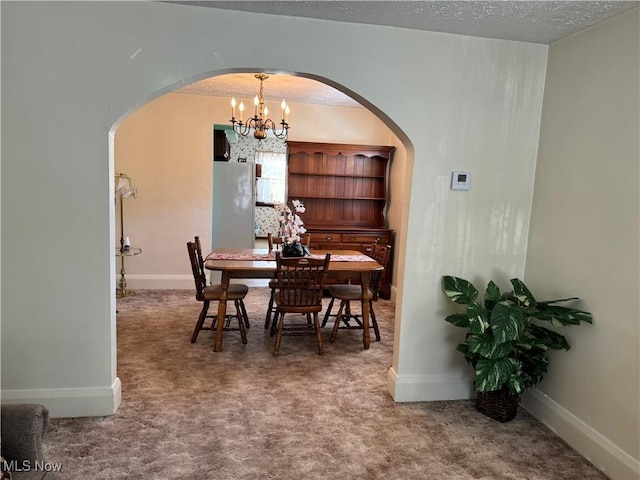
[365,278]
[222,311]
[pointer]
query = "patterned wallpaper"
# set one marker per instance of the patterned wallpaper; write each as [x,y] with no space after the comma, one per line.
[267,221]
[246,147]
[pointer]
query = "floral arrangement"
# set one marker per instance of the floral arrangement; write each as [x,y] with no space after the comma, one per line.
[291,225]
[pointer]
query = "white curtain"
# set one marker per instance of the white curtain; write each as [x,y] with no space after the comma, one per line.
[271,186]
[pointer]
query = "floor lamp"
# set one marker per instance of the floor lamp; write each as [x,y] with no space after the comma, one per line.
[124,187]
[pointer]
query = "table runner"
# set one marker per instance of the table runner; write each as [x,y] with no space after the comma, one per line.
[272,256]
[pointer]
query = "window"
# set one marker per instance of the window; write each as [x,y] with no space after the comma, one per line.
[270,187]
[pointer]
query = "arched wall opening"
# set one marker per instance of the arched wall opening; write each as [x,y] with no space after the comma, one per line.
[173,186]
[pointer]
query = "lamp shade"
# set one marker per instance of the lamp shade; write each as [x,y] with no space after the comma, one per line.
[124,186]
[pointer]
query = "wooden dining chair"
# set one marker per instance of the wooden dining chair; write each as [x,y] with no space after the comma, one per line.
[276,242]
[211,293]
[300,283]
[346,293]
[273,242]
[196,240]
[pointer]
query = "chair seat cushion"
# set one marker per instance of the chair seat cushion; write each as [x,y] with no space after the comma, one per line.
[236,291]
[346,291]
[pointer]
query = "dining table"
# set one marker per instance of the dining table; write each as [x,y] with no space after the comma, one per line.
[255,263]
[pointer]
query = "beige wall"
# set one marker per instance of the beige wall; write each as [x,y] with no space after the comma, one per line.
[584,238]
[166,147]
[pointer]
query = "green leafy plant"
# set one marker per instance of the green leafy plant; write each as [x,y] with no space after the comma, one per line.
[507,350]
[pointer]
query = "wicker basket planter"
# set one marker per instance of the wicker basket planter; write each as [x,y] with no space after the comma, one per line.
[499,405]
[505,347]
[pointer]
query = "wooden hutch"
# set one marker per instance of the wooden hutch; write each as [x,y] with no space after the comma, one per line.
[344,190]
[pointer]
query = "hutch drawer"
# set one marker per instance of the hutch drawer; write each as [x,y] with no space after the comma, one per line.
[364,238]
[325,237]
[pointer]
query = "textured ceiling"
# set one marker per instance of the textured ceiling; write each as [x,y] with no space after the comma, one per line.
[529,21]
[244,86]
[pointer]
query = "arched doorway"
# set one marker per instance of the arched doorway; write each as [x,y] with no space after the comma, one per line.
[178,125]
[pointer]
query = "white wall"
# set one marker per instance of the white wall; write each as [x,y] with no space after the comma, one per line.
[584,240]
[72,70]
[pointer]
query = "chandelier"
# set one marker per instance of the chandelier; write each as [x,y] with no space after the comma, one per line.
[259,123]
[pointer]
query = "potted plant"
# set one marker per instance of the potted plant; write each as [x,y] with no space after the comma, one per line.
[504,344]
[291,228]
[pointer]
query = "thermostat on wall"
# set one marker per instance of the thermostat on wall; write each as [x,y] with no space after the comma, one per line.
[460,180]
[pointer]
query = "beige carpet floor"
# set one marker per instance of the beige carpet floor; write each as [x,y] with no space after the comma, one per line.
[190,413]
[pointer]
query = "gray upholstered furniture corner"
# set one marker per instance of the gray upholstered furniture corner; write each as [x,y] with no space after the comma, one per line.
[23,427]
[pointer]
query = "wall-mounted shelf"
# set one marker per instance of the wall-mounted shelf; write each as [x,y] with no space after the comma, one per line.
[341,183]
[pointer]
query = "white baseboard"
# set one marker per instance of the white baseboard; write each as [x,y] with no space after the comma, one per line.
[599,450]
[159,282]
[179,282]
[71,402]
[424,388]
